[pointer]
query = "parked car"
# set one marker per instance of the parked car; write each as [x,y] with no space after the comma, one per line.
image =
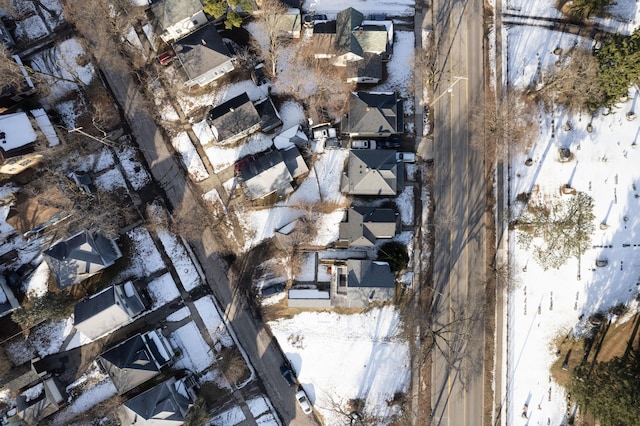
[360,144]
[271,290]
[165,58]
[391,143]
[288,374]
[406,157]
[304,402]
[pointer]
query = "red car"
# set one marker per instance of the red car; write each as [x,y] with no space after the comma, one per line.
[167,57]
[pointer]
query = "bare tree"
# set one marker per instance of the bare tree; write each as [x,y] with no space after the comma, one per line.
[573,84]
[270,14]
[510,122]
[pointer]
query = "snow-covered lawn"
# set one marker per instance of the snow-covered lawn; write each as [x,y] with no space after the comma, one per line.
[145,258]
[163,289]
[190,157]
[341,357]
[181,260]
[215,326]
[197,356]
[400,70]
[546,304]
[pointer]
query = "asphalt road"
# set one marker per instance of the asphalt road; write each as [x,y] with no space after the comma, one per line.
[264,354]
[460,202]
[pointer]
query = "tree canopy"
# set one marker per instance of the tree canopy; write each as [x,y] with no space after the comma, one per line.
[610,391]
[395,254]
[565,226]
[618,66]
[50,306]
[232,8]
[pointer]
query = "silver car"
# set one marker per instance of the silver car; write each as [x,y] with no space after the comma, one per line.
[304,402]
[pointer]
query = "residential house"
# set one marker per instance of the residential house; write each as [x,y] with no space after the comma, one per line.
[366,225]
[373,114]
[165,404]
[12,95]
[373,172]
[108,310]
[16,135]
[8,302]
[203,55]
[136,360]
[355,43]
[271,173]
[176,18]
[40,401]
[81,256]
[234,119]
[362,282]
[289,23]
[269,117]
[32,215]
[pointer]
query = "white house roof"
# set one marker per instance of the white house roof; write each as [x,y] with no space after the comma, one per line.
[16,131]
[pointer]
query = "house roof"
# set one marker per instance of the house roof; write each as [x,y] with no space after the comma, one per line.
[369,66]
[269,117]
[170,12]
[374,172]
[266,174]
[133,362]
[372,113]
[97,308]
[289,22]
[346,22]
[370,38]
[234,116]
[369,274]
[51,397]
[201,51]
[78,257]
[161,403]
[30,212]
[365,225]
[294,161]
[16,131]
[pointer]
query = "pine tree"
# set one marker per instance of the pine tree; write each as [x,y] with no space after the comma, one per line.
[50,306]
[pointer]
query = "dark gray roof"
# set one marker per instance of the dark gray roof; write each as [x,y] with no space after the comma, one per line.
[201,51]
[374,114]
[370,66]
[79,257]
[294,162]
[132,363]
[269,118]
[97,303]
[374,172]
[346,22]
[234,116]
[162,398]
[266,174]
[369,273]
[170,12]
[365,225]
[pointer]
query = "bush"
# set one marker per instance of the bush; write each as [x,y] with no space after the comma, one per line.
[395,254]
[50,306]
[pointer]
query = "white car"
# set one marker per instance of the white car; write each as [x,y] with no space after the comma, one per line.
[304,402]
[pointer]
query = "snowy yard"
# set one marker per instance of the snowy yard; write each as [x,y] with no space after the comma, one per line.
[546,304]
[342,357]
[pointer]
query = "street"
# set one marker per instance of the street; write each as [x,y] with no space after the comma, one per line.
[459,198]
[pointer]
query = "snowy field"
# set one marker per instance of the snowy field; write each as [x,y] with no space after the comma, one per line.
[341,357]
[546,304]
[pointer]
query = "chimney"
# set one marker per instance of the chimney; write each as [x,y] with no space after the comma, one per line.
[204,43]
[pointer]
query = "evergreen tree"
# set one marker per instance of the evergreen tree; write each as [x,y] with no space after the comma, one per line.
[619,65]
[50,306]
[395,254]
[586,8]
[565,226]
[232,8]
[610,391]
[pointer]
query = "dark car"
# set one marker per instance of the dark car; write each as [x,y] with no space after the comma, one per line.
[287,373]
[391,143]
[272,289]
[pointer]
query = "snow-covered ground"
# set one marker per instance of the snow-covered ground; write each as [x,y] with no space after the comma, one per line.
[546,304]
[342,357]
